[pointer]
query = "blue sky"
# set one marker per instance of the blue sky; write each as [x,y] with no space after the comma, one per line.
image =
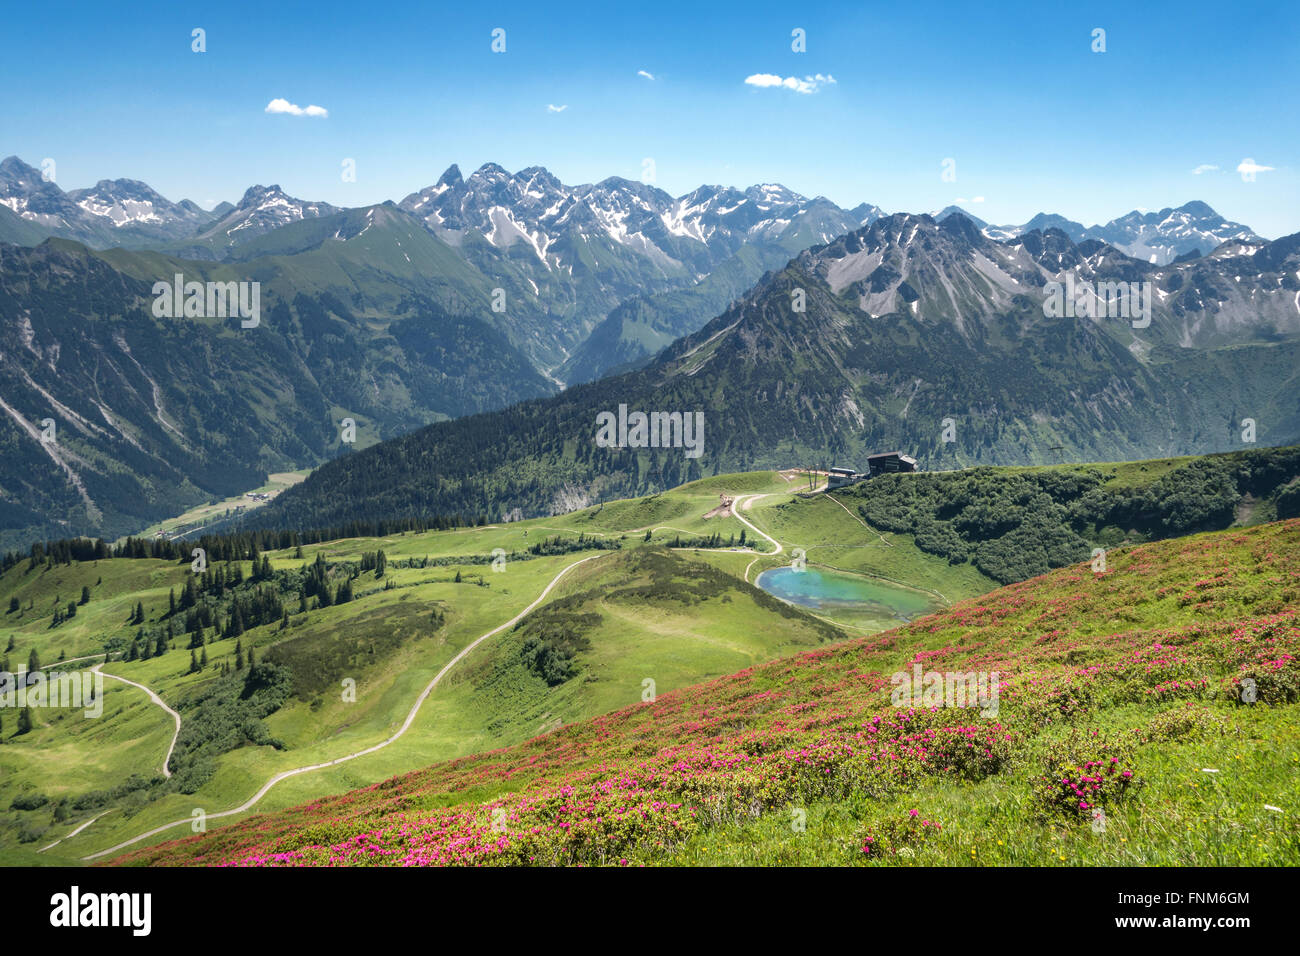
[1034,120]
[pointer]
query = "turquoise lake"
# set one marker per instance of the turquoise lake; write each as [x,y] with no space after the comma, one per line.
[826,590]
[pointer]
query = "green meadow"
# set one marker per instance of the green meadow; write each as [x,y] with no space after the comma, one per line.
[661,629]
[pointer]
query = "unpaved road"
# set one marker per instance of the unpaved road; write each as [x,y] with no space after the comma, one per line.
[51,846]
[159,701]
[859,520]
[744,503]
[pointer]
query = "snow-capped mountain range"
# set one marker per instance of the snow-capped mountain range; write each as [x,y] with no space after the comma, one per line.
[262,209]
[124,202]
[112,212]
[585,250]
[1156,237]
[950,271]
[533,208]
[594,274]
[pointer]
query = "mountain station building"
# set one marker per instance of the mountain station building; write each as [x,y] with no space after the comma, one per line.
[888,462]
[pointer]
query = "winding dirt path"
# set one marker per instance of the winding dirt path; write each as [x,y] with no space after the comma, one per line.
[744,503]
[406,725]
[51,846]
[888,544]
[67,660]
[159,701]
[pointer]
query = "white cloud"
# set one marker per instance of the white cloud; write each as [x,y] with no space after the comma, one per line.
[281,105]
[1205,168]
[809,84]
[647,75]
[1250,166]
[552,108]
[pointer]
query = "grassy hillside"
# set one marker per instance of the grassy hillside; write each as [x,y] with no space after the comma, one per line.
[639,612]
[668,598]
[1162,692]
[646,615]
[389,642]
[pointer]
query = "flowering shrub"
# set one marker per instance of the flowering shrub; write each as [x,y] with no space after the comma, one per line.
[972,752]
[1182,723]
[1084,771]
[897,837]
[1277,681]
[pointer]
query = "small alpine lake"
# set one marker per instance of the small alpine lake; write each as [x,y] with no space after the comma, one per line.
[834,590]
